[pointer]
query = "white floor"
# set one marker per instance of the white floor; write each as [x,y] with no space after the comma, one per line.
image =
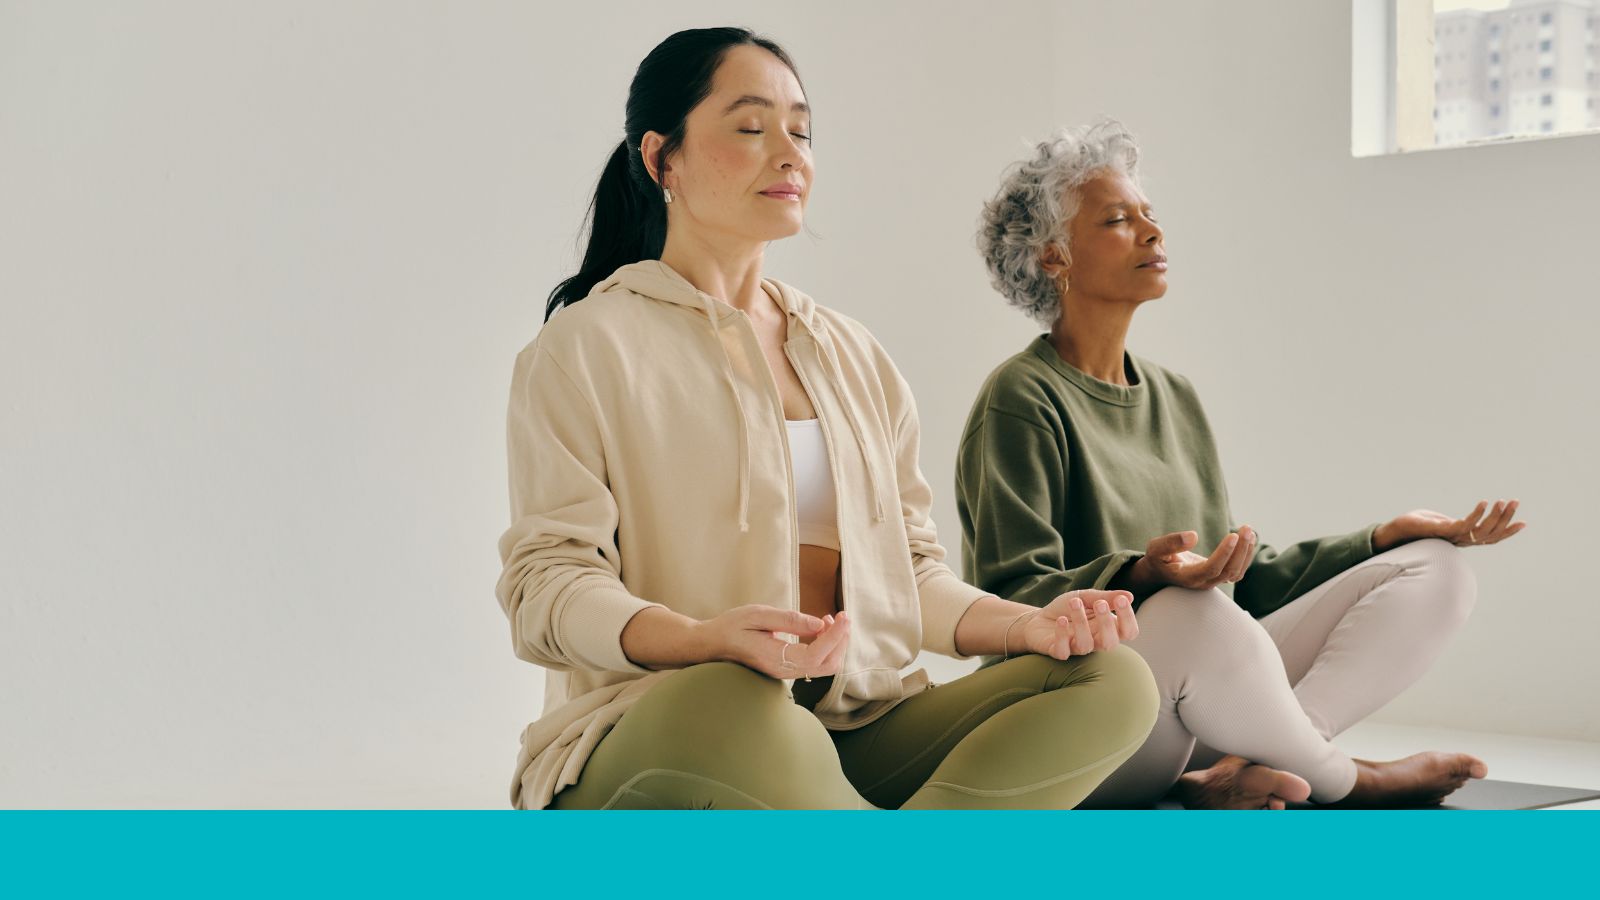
[1510,758]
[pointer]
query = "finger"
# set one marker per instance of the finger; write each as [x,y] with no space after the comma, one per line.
[1089,596]
[1503,533]
[1242,554]
[834,661]
[1477,525]
[1127,622]
[1211,571]
[1061,643]
[1082,635]
[783,621]
[1172,544]
[1491,519]
[1470,520]
[1107,638]
[1514,529]
[830,637]
[778,657]
[1497,529]
[808,651]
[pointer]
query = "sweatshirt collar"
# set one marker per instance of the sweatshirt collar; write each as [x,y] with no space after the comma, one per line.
[1115,394]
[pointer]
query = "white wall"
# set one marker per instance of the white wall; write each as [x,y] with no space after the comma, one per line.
[263,273]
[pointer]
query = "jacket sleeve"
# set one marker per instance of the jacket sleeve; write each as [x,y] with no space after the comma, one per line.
[942,596]
[560,585]
[1012,477]
[1277,577]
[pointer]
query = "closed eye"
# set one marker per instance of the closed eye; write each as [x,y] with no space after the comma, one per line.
[796,134]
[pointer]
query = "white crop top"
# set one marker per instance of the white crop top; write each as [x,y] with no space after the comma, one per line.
[813,484]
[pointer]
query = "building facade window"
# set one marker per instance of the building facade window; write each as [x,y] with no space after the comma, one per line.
[1432,73]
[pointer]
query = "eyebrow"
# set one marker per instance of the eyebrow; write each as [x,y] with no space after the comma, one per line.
[1122,205]
[753,100]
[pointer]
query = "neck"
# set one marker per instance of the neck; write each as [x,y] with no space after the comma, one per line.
[729,271]
[1091,336]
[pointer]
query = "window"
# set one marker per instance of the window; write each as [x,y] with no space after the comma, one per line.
[1415,72]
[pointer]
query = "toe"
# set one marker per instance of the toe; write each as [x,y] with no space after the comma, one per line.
[1292,787]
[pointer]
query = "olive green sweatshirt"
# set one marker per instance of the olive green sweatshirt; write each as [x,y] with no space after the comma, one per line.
[1063,479]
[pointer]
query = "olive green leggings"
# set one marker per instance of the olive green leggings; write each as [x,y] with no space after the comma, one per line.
[1029,733]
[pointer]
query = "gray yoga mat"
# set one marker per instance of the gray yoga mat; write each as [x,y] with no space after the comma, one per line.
[1488,794]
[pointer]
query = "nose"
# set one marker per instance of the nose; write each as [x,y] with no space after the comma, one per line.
[1153,233]
[787,155]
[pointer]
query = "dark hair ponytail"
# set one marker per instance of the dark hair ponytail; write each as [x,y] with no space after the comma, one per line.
[627,219]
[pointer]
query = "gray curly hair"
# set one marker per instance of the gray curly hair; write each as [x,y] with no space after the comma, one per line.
[1037,199]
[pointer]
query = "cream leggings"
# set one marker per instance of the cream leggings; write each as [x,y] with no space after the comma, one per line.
[1277,691]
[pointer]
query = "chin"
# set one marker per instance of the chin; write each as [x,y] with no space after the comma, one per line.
[777,231]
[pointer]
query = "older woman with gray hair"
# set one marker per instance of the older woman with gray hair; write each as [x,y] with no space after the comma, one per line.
[1084,466]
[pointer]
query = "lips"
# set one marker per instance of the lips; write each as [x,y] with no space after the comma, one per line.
[1158,263]
[783,191]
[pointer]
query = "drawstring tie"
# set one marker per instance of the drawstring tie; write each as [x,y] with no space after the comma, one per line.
[744,428]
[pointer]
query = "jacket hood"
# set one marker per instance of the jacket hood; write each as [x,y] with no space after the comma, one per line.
[655,279]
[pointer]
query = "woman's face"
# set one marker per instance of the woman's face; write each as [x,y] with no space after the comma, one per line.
[744,170]
[1117,250]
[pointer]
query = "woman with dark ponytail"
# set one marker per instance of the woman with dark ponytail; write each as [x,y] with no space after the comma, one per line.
[720,545]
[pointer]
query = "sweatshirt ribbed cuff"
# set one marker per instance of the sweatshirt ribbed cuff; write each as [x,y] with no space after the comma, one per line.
[945,599]
[591,628]
[1114,562]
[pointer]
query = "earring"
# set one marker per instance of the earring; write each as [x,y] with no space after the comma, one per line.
[667,193]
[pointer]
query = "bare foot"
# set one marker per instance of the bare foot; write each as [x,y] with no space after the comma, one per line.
[1233,783]
[1423,779]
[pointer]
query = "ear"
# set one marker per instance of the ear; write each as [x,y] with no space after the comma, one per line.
[649,149]
[1054,260]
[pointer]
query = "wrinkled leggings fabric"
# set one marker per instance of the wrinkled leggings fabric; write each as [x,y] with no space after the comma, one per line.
[1028,733]
[1276,691]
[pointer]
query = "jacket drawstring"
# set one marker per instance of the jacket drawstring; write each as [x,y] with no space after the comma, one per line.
[744,426]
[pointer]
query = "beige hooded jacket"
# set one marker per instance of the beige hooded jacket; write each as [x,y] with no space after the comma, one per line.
[650,466]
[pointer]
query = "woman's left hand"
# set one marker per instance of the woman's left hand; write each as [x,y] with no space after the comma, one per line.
[1484,525]
[1081,622]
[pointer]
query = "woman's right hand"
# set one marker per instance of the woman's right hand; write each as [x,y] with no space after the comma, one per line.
[752,636]
[1167,561]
